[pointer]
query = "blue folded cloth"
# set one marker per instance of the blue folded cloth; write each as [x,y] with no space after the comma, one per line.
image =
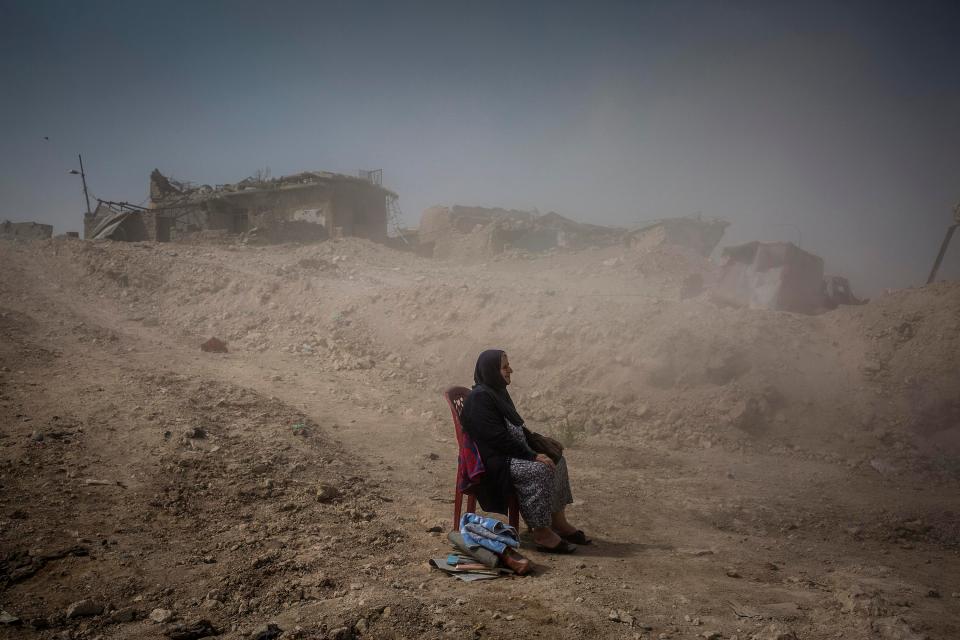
[489,533]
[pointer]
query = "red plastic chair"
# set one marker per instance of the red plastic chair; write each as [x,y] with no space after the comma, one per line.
[455,397]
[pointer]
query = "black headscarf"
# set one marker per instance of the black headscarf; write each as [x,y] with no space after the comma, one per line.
[487,375]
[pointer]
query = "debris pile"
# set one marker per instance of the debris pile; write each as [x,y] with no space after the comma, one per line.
[476,233]
[25,230]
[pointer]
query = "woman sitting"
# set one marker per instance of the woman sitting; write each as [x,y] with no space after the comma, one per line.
[541,484]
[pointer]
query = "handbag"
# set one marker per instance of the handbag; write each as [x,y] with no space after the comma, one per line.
[544,444]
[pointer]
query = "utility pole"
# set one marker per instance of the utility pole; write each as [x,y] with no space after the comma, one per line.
[945,244]
[83,177]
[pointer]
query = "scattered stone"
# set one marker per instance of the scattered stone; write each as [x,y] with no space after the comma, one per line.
[341,633]
[269,631]
[433,456]
[214,345]
[126,614]
[192,631]
[161,616]
[84,608]
[435,529]
[7,618]
[623,617]
[933,593]
[195,433]
[361,626]
[775,632]
[327,493]
[711,635]
[36,436]
[733,573]
[882,467]
[895,628]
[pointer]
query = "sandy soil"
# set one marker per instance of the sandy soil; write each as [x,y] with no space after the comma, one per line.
[745,474]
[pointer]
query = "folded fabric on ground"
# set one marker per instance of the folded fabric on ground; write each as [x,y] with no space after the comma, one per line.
[467,575]
[481,554]
[488,532]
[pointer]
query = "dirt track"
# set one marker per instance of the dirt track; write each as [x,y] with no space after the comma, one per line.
[825,506]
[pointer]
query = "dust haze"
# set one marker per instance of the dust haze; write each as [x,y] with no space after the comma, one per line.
[704,234]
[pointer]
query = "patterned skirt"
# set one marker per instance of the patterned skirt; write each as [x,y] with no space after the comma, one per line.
[541,490]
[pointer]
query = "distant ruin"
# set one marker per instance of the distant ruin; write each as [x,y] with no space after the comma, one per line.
[476,232]
[305,207]
[25,230]
[697,234]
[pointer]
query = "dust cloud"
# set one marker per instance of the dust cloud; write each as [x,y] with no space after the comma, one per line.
[702,237]
[745,472]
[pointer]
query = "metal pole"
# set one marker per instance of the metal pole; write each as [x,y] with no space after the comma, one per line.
[83,178]
[943,250]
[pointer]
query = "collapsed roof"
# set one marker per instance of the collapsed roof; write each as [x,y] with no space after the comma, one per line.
[170,192]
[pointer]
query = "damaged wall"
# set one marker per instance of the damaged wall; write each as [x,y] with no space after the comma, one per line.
[477,232]
[771,275]
[305,207]
[695,234]
[26,230]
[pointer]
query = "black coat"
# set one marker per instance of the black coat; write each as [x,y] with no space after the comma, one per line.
[484,422]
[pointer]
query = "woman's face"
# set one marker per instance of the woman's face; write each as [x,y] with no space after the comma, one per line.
[505,369]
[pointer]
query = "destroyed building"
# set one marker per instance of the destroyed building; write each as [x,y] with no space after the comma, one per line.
[777,276]
[478,232]
[694,233]
[25,230]
[304,207]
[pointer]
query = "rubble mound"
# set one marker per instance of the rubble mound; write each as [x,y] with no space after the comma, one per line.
[608,340]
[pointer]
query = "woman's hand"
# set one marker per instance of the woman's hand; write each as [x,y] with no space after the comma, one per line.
[545,459]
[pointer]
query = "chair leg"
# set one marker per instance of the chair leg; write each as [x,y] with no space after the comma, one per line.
[457,504]
[471,505]
[513,512]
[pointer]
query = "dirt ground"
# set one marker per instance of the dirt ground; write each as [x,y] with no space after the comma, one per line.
[744,474]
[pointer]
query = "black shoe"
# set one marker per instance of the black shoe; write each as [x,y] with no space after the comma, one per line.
[561,547]
[577,537]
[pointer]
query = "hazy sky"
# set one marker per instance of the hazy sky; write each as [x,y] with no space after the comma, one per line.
[837,122]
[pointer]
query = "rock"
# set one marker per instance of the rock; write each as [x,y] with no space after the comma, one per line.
[192,631]
[361,626]
[775,632]
[268,631]
[126,614]
[859,600]
[895,628]
[195,433]
[214,345]
[711,635]
[36,436]
[614,614]
[7,618]
[84,608]
[341,633]
[327,493]
[733,573]
[882,467]
[161,616]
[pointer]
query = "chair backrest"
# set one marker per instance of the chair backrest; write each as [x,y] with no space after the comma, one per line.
[455,397]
